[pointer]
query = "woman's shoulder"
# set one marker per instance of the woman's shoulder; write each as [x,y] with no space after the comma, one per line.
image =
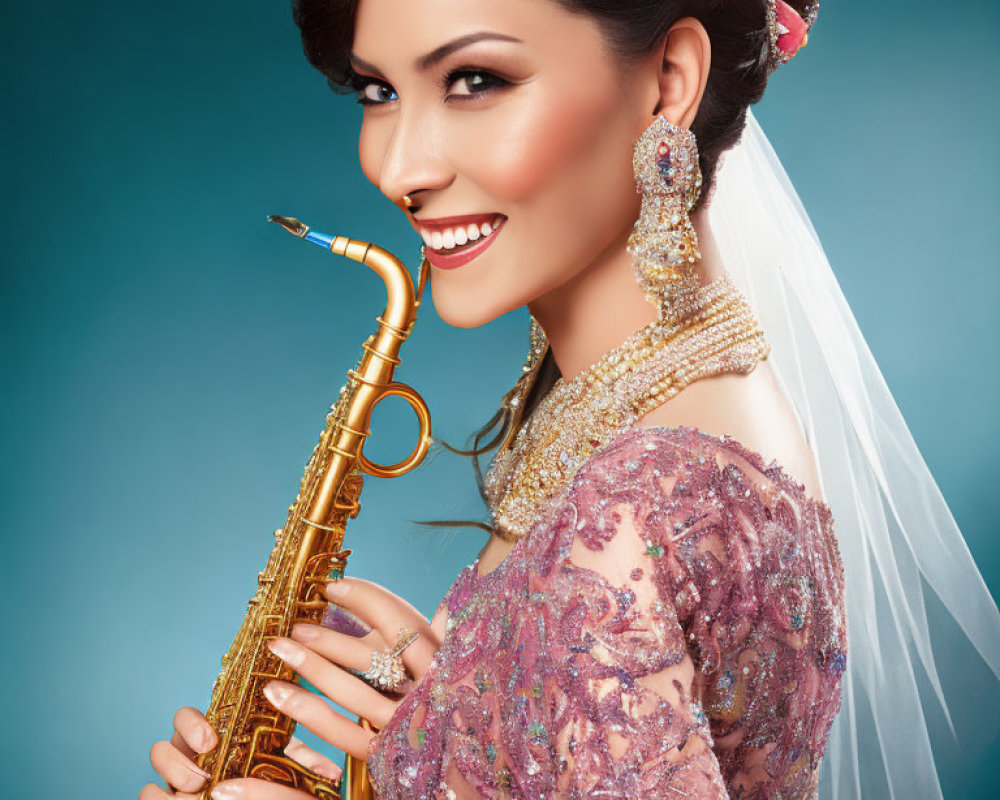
[751,417]
[688,468]
[700,453]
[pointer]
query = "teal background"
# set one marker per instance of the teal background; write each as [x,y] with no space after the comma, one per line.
[167,357]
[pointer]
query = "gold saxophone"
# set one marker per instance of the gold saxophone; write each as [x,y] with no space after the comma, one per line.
[252,734]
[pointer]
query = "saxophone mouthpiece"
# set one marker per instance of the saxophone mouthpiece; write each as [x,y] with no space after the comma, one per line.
[303,231]
[290,224]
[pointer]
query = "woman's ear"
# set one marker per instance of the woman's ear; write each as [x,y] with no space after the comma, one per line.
[684,60]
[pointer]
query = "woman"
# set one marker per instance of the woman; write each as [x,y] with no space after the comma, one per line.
[661,608]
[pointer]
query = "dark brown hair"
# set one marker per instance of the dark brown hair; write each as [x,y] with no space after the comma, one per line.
[737,78]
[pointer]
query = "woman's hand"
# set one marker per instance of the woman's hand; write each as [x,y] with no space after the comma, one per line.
[324,657]
[368,619]
[192,735]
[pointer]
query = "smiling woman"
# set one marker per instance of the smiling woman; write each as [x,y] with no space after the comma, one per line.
[665,606]
[514,119]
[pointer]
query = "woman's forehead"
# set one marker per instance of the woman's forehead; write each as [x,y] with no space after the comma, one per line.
[405,30]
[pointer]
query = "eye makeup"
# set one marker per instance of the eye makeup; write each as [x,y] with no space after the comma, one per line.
[488,83]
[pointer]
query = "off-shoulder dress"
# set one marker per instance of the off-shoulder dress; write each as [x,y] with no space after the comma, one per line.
[672,626]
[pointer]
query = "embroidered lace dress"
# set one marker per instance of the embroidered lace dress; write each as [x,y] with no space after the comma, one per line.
[671,627]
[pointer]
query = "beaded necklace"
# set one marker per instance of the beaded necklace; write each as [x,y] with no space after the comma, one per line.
[717,333]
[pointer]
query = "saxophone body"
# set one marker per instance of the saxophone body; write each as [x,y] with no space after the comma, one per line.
[308,551]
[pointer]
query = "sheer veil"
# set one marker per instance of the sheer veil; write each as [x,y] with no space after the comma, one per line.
[900,544]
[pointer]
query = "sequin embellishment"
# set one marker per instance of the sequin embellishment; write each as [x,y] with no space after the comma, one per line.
[638,641]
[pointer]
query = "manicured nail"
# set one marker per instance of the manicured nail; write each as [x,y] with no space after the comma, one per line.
[227,792]
[287,650]
[197,770]
[277,693]
[304,632]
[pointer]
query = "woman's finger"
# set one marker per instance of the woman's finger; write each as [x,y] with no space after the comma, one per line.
[344,649]
[256,789]
[345,689]
[387,613]
[340,648]
[192,732]
[309,710]
[299,751]
[176,768]
[153,792]
[439,622]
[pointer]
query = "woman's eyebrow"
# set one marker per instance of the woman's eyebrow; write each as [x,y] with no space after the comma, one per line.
[438,53]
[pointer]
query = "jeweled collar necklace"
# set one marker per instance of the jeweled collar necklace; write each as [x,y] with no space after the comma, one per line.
[718,333]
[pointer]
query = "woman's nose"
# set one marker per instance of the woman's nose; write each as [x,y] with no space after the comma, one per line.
[413,161]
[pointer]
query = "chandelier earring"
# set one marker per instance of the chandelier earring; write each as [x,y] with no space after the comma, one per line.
[663,243]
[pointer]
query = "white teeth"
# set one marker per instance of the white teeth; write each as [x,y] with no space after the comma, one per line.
[455,237]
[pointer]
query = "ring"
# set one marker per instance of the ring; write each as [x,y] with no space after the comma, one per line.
[387,670]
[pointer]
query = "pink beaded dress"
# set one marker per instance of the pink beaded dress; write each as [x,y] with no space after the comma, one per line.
[672,626]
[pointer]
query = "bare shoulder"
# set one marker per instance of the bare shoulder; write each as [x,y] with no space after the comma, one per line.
[754,410]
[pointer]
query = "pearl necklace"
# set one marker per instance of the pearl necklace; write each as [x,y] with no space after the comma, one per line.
[718,333]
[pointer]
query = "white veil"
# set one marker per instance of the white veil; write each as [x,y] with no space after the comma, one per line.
[896,533]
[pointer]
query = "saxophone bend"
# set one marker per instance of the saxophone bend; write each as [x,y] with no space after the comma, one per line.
[252,734]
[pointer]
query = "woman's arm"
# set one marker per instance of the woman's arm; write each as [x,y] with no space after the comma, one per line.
[633,723]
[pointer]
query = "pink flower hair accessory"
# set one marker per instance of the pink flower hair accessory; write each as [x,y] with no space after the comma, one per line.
[788,30]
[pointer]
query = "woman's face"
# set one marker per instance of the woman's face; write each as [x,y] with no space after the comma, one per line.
[510,115]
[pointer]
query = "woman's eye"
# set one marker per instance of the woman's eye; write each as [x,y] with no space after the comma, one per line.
[473,81]
[469,82]
[373,93]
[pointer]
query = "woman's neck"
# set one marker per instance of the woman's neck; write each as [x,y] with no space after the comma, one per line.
[600,307]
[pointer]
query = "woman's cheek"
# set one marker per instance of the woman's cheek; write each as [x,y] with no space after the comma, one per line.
[552,131]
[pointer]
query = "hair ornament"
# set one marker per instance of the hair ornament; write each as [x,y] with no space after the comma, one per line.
[788,30]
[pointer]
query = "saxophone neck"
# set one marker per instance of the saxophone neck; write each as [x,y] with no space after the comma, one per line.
[402,299]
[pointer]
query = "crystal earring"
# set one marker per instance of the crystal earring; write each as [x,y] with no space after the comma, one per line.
[663,244]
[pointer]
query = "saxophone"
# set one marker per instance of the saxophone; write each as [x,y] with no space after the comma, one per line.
[252,734]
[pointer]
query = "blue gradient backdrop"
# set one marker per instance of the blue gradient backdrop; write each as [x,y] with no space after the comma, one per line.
[167,357]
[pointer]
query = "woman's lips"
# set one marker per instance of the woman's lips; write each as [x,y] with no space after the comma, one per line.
[457,256]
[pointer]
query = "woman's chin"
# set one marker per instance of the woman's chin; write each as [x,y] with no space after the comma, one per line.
[471,317]
[466,312]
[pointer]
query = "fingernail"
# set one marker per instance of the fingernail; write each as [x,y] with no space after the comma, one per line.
[226,791]
[287,651]
[304,632]
[336,588]
[198,770]
[277,693]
